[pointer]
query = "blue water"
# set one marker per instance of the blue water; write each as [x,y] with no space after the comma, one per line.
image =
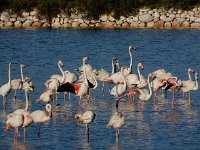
[156,127]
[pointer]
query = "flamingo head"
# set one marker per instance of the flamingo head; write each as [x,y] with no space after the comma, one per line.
[190,70]
[141,65]
[22,66]
[10,64]
[60,62]
[131,47]
[85,58]
[49,109]
[8,126]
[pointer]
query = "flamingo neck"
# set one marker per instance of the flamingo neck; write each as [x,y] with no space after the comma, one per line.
[9,77]
[84,72]
[131,60]
[26,95]
[196,82]
[63,74]
[22,76]
[113,67]
[150,90]
[124,85]
[138,70]
[189,76]
[96,83]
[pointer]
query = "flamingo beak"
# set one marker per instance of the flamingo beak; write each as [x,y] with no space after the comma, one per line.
[8,126]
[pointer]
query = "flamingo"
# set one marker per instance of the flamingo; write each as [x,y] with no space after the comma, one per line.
[6,88]
[86,118]
[127,70]
[103,74]
[118,90]
[55,81]
[80,89]
[16,84]
[14,121]
[46,96]
[60,78]
[26,116]
[190,85]
[116,121]
[144,94]
[143,81]
[40,116]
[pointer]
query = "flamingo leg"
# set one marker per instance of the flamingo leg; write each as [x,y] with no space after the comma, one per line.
[15,96]
[117,135]
[189,102]
[64,97]
[87,131]
[3,105]
[173,100]
[24,135]
[154,98]
[39,130]
[103,88]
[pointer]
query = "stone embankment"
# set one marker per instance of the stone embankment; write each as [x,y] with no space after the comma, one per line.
[146,18]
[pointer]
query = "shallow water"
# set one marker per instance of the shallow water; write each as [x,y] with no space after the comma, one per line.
[156,127]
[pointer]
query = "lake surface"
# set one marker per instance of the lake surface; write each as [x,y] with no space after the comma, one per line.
[156,127]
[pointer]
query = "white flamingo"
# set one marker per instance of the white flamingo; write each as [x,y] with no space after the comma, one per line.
[116,121]
[46,96]
[103,74]
[17,84]
[118,90]
[127,70]
[143,81]
[86,118]
[6,88]
[40,116]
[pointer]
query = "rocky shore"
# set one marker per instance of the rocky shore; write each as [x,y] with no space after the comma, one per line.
[146,18]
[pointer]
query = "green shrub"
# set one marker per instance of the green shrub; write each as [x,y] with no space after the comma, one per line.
[48,9]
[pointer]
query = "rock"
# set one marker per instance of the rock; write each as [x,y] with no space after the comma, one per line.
[98,24]
[168,24]
[27,23]
[195,25]
[107,24]
[185,24]
[66,25]
[13,19]
[25,14]
[37,24]
[103,18]
[125,25]
[159,23]
[129,20]
[8,24]
[176,24]
[136,18]
[46,25]
[197,20]
[134,25]
[33,13]
[1,24]
[75,24]
[83,25]
[180,20]
[111,19]
[150,24]
[56,25]
[5,16]
[18,24]
[145,18]
[142,25]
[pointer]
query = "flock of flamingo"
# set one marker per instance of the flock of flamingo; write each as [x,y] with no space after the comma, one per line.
[125,84]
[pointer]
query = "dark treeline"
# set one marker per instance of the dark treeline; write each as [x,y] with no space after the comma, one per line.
[93,8]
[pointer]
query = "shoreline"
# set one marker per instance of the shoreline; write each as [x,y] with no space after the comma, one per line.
[146,18]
